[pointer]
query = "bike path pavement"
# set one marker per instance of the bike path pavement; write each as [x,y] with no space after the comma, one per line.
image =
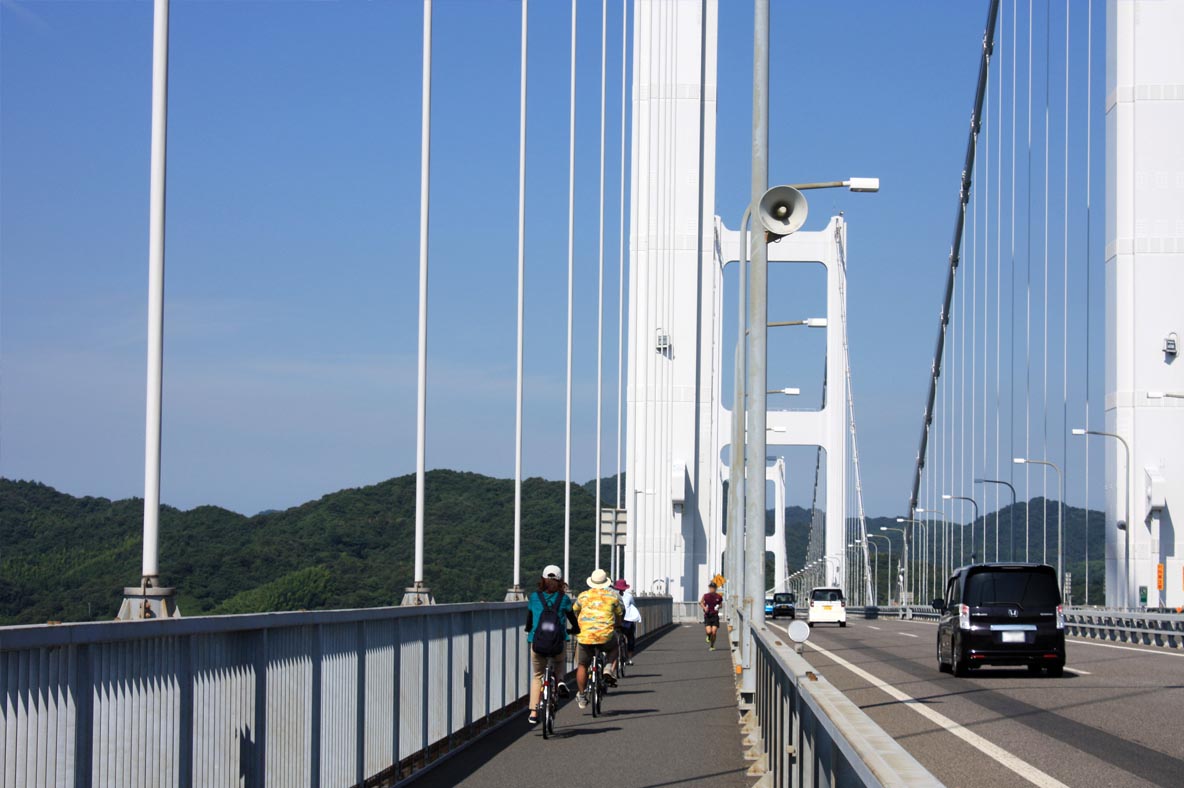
[672,720]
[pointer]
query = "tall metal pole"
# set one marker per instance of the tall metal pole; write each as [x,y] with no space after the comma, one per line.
[758,318]
[515,593]
[571,218]
[735,539]
[418,594]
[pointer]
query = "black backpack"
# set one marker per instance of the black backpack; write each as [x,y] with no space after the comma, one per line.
[548,633]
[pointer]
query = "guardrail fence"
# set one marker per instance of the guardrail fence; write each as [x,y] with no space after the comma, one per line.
[812,734]
[329,698]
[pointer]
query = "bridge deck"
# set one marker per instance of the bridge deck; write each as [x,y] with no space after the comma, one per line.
[672,721]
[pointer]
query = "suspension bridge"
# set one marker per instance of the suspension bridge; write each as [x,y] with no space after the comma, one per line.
[1051,225]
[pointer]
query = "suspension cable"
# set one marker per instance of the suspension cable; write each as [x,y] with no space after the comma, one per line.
[600,292]
[571,219]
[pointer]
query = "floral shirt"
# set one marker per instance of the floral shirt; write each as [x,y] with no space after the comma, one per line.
[598,610]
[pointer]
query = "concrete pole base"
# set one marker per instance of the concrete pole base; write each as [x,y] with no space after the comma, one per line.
[148,601]
[515,594]
[418,594]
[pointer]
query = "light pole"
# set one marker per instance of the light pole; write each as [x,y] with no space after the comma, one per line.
[919,573]
[889,585]
[1126,586]
[944,550]
[1060,514]
[946,497]
[904,561]
[1010,518]
[875,569]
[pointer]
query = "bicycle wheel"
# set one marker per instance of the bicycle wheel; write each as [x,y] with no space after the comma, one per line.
[594,687]
[545,707]
[622,645]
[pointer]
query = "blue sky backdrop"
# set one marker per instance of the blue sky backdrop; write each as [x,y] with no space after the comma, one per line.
[292,233]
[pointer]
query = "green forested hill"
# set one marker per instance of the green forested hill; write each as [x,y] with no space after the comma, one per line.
[66,558]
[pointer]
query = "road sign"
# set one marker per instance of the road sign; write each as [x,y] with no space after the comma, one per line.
[612,526]
[1159,576]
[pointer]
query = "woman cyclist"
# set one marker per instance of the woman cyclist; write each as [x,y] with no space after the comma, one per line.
[631,618]
[551,594]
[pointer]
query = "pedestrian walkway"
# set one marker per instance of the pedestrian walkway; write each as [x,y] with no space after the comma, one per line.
[671,721]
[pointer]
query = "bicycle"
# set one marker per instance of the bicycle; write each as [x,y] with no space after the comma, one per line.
[596,685]
[622,652]
[548,701]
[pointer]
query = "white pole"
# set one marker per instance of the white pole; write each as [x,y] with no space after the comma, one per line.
[571,218]
[621,258]
[422,390]
[600,292]
[160,91]
[521,283]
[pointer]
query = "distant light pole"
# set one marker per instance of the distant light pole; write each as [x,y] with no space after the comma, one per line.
[877,573]
[947,497]
[875,569]
[904,561]
[1060,514]
[919,573]
[1126,586]
[1010,518]
[945,540]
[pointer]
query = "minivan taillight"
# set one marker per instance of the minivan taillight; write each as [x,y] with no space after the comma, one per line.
[811,603]
[842,603]
[1060,616]
[963,616]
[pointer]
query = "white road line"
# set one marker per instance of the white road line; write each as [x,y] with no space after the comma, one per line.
[1078,671]
[1126,648]
[869,626]
[908,634]
[1021,767]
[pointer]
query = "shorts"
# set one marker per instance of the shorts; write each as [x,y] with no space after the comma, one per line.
[584,651]
[711,619]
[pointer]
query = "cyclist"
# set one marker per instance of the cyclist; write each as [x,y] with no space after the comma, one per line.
[710,603]
[599,609]
[631,618]
[551,593]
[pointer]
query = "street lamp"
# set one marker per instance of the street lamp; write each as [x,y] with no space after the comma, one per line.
[904,538]
[947,497]
[919,573]
[1126,523]
[944,550]
[1010,517]
[789,392]
[877,572]
[1060,512]
[875,569]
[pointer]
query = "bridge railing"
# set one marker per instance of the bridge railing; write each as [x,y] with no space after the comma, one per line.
[321,698]
[286,699]
[812,734]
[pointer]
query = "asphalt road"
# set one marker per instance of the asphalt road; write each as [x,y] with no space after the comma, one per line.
[1114,718]
[672,720]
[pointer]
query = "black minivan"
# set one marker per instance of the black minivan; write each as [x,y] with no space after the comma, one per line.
[1001,614]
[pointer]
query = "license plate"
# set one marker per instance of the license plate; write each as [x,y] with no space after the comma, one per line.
[1012,637]
[826,607]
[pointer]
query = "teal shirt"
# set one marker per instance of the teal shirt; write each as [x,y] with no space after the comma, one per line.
[535,606]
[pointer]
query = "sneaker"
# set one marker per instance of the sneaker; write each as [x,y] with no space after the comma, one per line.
[533,719]
[582,700]
[628,662]
[562,690]
[610,680]
[712,648]
[708,639]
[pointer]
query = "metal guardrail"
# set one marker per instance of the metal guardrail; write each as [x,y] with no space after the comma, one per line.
[687,612]
[924,613]
[327,698]
[1148,629]
[812,734]
[657,613]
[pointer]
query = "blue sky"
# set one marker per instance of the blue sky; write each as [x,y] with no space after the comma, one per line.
[292,235]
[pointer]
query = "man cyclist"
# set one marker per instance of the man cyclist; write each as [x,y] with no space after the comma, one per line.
[598,610]
[552,594]
[711,603]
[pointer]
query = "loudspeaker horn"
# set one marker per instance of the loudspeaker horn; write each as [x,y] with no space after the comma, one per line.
[782,210]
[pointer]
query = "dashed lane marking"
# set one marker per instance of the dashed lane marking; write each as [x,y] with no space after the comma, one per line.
[869,626]
[908,634]
[1078,671]
[1021,767]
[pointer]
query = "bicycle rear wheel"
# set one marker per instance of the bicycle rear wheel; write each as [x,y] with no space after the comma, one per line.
[545,702]
[622,645]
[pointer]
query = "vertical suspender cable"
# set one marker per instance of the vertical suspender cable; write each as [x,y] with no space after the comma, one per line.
[986,295]
[1028,315]
[422,383]
[600,290]
[1089,119]
[521,312]
[156,228]
[571,220]
[998,281]
[973,358]
[1011,420]
[621,262]
[1044,288]
[1065,282]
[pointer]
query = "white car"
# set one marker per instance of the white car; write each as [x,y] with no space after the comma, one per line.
[827,606]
